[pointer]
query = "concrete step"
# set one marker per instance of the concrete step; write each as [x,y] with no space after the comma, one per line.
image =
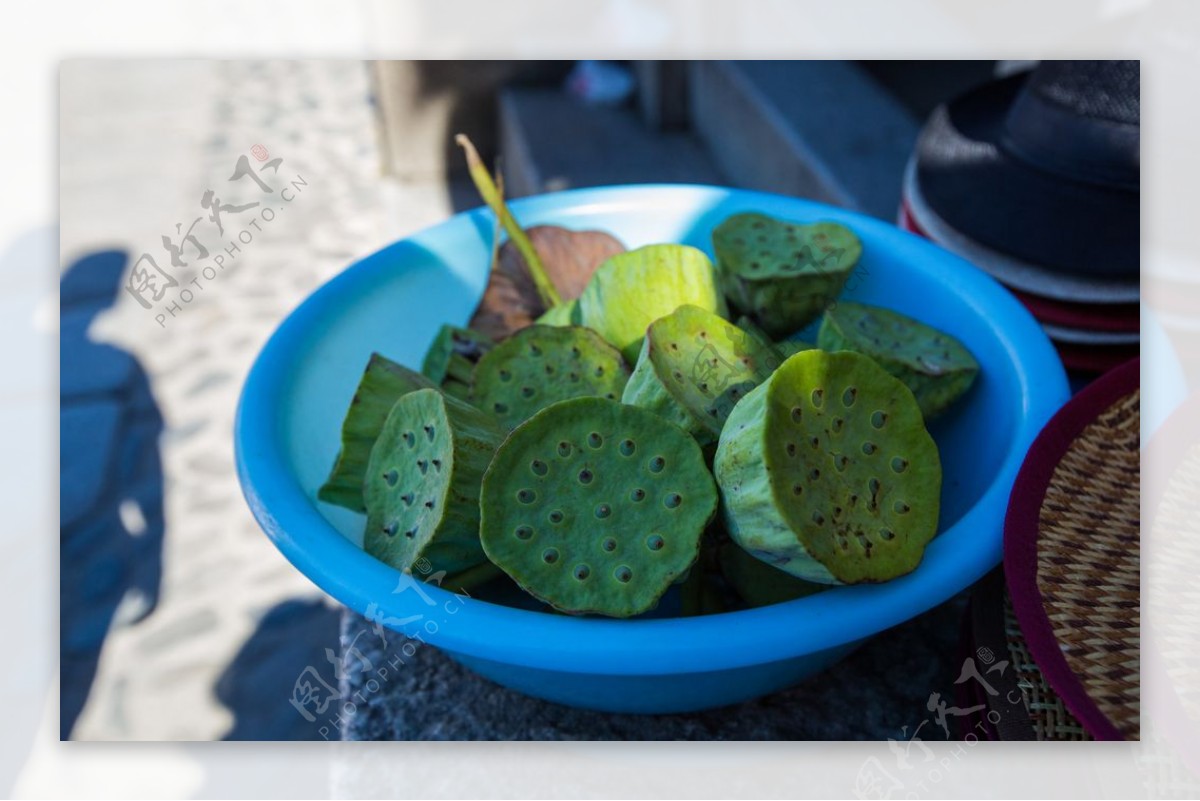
[819,129]
[549,141]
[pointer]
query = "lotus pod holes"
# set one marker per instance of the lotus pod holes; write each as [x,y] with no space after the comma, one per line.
[934,365]
[382,384]
[693,369]
[783,274]
[422,483]
[540,365]
[596,507]
[827,471]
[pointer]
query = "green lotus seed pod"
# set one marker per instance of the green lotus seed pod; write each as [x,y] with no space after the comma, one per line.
[596,507]
[783,274]
[632,290]
[934,365]
[453,354]
[423,480]
[382,384]
[758,583]
[564,314]
[694,367]
[827,472]
[541,365]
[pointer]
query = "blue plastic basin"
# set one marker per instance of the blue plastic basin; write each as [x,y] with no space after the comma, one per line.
[393,301]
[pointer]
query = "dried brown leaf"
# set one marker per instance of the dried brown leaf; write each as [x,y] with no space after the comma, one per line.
[511,301]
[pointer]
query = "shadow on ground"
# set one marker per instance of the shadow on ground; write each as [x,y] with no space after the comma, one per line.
[258,683]
[111,482]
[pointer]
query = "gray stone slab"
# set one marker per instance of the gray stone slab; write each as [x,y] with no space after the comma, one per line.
[871,695]
[550,141]
[818,129]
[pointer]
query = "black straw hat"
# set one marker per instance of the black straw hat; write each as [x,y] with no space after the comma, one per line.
[1043,166]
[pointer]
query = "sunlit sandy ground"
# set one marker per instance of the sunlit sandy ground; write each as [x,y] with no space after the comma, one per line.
[141,143]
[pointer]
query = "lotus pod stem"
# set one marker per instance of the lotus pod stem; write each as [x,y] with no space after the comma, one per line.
[758,583]
[382,384]
[827,472]
[423,481]
[492,197]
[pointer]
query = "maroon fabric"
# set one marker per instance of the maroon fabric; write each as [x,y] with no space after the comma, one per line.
[1119,317]
[908,222]
[1021,534]
[1095,358]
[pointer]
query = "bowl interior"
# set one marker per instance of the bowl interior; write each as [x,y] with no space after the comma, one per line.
[394,300]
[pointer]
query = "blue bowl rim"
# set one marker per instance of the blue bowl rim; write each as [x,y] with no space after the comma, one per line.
[586,645]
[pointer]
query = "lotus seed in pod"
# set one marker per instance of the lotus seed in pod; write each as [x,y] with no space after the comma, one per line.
[423,480]
[540,365]
[694,367]
[783,274]
[596,507]
[632,290]
[827,471]
[934,365]
[382,384]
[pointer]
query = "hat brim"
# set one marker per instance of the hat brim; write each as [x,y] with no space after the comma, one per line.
[1013,272]
[969,178]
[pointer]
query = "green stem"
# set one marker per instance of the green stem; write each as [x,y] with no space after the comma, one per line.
[491,195]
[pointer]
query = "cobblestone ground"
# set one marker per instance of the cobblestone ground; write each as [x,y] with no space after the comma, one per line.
[141,143]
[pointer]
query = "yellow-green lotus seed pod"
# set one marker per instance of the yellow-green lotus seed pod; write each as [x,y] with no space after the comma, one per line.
[694,367]
[632,290]
[827,472]
[563,314]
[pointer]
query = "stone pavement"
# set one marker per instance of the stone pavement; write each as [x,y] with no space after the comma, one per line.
[878,692]
[140,144]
